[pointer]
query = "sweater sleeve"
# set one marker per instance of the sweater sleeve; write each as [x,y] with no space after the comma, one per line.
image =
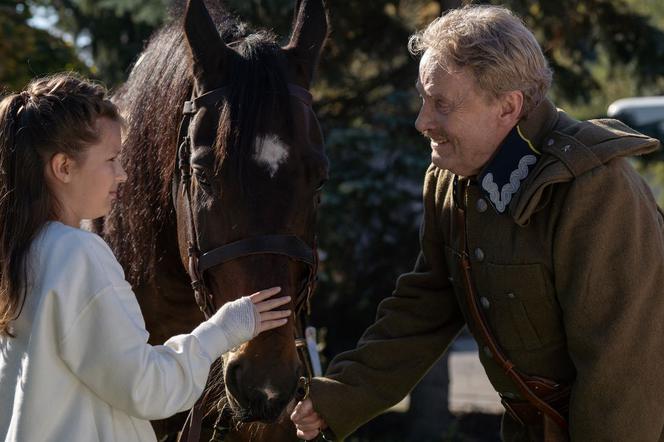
[609,284]
[106,347]
[413,327]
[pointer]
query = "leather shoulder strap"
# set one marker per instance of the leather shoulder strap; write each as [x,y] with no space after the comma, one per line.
[522,381]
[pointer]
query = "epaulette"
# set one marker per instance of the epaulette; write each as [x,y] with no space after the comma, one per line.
[575,148]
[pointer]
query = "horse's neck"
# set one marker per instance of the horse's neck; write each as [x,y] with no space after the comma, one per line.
[167,302]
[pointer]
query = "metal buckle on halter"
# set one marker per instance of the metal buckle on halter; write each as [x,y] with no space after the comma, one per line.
[302,391]
[189,107]
[200,302]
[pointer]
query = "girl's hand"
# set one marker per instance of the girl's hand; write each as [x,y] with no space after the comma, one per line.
[264,303]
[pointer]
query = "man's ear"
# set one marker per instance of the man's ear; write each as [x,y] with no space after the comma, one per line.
[511,107]
[61,167]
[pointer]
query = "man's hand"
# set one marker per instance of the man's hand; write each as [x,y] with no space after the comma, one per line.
[307,421]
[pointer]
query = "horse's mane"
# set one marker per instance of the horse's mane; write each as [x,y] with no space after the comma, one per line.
[151,102]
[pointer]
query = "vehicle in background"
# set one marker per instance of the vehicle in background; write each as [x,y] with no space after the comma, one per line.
[644,114]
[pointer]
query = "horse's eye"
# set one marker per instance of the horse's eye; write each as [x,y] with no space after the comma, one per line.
[201,177]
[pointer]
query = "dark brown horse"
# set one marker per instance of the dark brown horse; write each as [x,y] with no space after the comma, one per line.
[251,164]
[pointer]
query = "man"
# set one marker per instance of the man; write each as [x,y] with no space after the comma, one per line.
[537,234]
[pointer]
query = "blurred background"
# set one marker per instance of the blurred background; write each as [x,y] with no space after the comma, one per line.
[601,51]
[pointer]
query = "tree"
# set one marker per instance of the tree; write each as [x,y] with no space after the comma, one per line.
[577,36]
[114,31]
[26,52]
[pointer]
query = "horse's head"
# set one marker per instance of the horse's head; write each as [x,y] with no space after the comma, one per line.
[250,174]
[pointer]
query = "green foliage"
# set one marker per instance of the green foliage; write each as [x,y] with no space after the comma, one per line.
[576,35]
[113,31]
[369,218]
[653,172]
[601,51]
[26,52]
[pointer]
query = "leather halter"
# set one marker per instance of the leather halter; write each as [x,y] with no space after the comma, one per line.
[199,261]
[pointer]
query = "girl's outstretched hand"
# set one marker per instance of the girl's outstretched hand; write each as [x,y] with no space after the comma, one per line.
[264,303]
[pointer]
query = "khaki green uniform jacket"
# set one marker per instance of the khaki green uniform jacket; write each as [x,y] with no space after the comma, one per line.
[571,276]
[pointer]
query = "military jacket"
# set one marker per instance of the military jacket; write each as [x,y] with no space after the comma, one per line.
[567,253]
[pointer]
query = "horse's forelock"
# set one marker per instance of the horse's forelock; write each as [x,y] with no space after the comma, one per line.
[258,96]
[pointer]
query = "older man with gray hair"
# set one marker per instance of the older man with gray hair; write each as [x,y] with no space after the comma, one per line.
[537,234]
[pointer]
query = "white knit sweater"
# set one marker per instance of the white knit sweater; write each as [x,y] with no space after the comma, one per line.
[80,368]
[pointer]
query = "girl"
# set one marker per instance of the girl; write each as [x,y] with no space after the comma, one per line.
[74,360]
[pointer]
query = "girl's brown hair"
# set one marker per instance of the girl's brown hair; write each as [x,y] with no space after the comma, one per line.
[52,115]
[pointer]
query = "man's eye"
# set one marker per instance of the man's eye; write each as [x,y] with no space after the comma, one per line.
[442,107]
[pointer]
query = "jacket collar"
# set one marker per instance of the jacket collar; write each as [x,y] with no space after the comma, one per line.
[517,156]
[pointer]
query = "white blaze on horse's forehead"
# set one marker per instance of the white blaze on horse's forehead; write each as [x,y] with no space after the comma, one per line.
[270,152]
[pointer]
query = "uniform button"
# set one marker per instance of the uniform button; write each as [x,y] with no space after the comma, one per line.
[485,303]
[481,205]
[487,352]
[479,254]
[550,142]
[566,147]
[511,295]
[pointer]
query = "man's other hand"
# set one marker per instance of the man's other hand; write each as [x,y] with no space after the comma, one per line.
[307,422]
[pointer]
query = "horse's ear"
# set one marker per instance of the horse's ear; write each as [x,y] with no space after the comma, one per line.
[308,37]
[209,53]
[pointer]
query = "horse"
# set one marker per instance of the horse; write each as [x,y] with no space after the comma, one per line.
[225,161]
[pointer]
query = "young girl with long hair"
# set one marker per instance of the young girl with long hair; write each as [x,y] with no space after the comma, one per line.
[75,364]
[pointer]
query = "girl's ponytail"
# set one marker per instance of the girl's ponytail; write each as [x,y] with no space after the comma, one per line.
[12,296]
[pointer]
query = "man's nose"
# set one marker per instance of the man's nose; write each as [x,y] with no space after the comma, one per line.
[423,123]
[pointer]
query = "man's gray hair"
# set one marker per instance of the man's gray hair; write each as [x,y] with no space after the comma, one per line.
[494,44]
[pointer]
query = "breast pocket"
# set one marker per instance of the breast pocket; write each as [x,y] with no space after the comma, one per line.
[521,307]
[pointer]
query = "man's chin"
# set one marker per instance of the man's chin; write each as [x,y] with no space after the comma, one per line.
[440,163]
